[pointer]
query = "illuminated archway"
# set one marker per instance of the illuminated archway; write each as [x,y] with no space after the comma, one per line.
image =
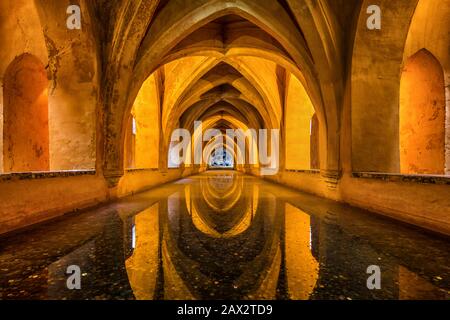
[267,25]
[422,115]
[142,131]
[221,158]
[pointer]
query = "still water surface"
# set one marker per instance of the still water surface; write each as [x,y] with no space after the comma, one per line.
[224,235]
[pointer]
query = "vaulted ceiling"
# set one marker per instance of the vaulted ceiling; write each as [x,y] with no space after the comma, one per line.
[220,60]
[228,60]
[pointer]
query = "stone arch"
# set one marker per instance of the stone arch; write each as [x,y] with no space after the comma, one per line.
[73,69]
[311,85]
[26,131]
[232,108]
[20,32]
[247,93]
[249,75]
[186,100]
[210,148]
[376,73]
[430,30]
[321,30]
[375,85]
[216,9]
[231,122]
[266,15]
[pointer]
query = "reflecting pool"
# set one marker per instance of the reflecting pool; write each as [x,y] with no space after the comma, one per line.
[224,235]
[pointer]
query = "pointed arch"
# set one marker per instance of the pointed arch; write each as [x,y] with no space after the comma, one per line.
[26,131]
[422,115]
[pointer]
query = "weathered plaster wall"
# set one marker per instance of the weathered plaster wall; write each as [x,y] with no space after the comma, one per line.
[310,182]
[139,180]
[424,205]
[73,92]
[26,135]
[1,131]
[20,30]
[30,201]
[376,64]
[70,57]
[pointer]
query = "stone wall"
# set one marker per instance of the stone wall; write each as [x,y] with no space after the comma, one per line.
[27,199]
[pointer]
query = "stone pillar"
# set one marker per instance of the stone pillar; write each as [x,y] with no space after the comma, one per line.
[1,127]
[331,178]
[447,123]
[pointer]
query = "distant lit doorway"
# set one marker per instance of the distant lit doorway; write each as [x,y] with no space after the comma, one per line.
[221,159]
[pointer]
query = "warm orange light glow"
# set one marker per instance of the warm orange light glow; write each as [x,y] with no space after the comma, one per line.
[422,116]
[302,268]
[26,131]
[299,111]
[142,266]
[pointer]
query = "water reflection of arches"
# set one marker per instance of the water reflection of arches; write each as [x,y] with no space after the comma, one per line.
[142,264]
[195,253]
[225,208]
[154,265]
[284,252]
[257,259]
[302,267]
[221,193]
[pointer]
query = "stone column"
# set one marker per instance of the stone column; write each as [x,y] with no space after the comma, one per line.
[447,123]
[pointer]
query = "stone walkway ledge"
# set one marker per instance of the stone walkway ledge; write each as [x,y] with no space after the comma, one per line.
[44,175]
[394,177]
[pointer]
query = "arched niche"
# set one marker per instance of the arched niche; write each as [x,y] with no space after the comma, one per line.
[377,77]
[143,129]
[422,115]
[159,41]
[25,129]
[430,30]
[375,83]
